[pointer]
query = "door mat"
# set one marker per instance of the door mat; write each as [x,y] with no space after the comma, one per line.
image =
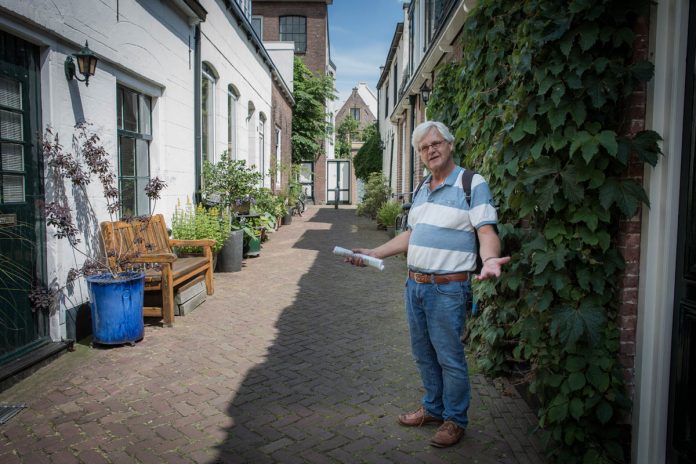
[8,411]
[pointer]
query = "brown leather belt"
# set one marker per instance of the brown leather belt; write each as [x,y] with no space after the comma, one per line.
[421,278]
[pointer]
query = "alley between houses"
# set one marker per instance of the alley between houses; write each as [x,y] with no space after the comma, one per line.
[298,358]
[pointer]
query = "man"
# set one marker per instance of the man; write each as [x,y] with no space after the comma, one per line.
[441,248]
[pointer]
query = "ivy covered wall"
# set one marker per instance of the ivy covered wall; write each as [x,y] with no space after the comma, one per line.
[543,103]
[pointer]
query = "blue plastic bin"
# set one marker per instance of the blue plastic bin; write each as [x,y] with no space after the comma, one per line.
[117,307]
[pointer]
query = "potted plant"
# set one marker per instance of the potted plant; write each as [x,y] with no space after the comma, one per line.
[386,215]
[189,223]
[231,182]
[116,286]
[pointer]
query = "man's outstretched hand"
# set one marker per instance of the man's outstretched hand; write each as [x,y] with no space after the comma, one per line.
[493,267]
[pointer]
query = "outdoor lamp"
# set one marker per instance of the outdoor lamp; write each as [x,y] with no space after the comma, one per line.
[425,92]
[86,64]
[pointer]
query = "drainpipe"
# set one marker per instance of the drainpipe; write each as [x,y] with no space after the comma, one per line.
[197,110]
[412,102]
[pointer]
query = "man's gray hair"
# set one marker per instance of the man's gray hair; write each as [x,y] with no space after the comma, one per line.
[423,128]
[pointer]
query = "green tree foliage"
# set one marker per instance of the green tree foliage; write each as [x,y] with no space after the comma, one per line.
[346,132]
[309,122]
[369,158]
[538,104]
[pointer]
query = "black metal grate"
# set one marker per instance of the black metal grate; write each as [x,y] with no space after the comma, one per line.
[8,411]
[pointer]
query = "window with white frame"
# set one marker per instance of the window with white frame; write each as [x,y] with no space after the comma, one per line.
[355,113]
[134,121]
[208,113]
[232,103]
[262,153]
[278,154]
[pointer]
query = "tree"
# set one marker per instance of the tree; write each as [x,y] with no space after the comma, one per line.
[309,122]
[345,133]
[369,157]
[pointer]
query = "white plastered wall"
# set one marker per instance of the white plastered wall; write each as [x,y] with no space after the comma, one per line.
[236,62]
[665,112]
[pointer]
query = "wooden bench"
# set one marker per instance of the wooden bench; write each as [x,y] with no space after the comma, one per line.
[146,241]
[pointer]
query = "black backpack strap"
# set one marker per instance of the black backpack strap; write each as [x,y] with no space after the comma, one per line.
[420,184]
[467,177]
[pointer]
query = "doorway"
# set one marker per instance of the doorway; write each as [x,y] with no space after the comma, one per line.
[681,441]
[338,176]
[21,230]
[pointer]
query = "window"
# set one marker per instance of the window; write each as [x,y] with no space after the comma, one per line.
[232,99]
[395,77]
[278,154]
[134,117]
[208,113]
[257,25]
[355,113]
[294,28]
[262,154]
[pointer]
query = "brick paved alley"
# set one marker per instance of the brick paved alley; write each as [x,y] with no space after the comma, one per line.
[299,358]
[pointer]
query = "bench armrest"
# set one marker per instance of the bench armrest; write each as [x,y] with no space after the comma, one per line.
[201,242]
[154,258]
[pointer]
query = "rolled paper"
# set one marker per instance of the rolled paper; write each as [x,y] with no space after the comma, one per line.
[369,260]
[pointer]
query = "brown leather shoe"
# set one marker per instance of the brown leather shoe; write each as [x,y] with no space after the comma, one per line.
[448,434]
[417,418]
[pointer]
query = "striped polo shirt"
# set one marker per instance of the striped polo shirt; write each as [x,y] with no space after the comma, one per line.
[443,225]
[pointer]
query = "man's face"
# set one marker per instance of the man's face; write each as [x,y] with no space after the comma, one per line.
[435,151]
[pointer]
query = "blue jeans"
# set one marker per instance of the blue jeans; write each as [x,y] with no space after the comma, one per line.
[436,316]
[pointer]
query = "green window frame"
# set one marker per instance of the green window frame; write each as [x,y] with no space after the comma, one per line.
[134,119]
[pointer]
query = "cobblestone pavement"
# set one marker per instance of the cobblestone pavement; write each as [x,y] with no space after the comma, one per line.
[298,358]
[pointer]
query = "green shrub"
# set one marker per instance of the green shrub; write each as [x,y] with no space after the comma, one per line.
[189,223]
[376,194]
[387,213]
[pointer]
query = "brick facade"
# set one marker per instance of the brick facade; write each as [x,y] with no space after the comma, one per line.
[356,101]
[315,57]
[628,240]
[281,118]
[316,13]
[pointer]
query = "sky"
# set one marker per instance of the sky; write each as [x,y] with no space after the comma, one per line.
[361,32]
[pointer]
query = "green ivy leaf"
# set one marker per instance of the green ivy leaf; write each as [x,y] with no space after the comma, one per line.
[576,381]
[580,140]
[578,112]
[573,191]
[607,139]
[646,146]
[557,93]
[558,412]
[626,194]
[576,408]
[586,215]
[604,412]
[589,33]
[575,363]
[598,378]
[546,192]
[571,323]
[557,117]
[553,229]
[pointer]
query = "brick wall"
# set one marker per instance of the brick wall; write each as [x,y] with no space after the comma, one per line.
[316,13]
[281,116]
[355,101]
[628,239]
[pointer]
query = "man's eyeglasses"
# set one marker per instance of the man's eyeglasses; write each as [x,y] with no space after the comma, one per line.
[426,148]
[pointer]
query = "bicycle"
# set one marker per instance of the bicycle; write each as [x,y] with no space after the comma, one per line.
[401,222]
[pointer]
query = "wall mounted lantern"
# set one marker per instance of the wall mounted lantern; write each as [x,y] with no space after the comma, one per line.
[86,64]
[425,92]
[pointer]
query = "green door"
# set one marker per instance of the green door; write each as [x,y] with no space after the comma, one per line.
[21,244]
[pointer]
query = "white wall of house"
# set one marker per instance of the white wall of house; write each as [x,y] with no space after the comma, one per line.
[144,49]
[283,55]
[225,47]
[148,47]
